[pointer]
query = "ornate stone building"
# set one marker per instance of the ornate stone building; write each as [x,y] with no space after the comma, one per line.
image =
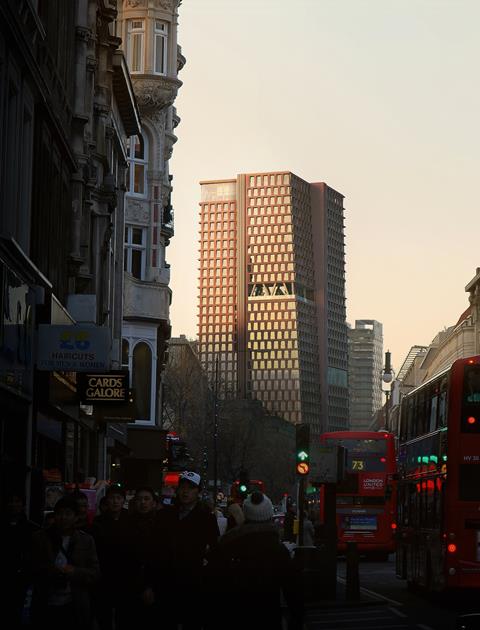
[148,29]
[67,108]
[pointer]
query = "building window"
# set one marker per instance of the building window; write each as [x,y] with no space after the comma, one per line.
[135,45]
[137,165]
[142,369]
[135,251]
[160,48]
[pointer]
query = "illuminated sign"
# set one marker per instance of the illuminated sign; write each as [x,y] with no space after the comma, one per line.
[358,464]
[103,388]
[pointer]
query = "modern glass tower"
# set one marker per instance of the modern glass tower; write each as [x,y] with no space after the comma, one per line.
[365,372]
[271,321]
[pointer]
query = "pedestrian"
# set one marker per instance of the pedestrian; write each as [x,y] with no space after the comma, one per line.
[221,518]
[235,516]
[102,506]
[111,534]
[222,521]
[142,532]
[308,531]
[252,566]
[288,524]
[82,510]
[64,569]
[16,532]
[189,531]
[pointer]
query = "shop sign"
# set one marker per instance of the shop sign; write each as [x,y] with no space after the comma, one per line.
[73,348]
[105,387]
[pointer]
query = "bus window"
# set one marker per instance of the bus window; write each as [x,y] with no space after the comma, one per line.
[470,420]
[471,384]
[469,482]
[433,411]
[442,405]
[408,428]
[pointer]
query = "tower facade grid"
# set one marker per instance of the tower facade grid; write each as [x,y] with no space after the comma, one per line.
[259,293]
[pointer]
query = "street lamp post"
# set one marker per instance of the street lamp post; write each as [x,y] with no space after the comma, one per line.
[387,377]
[215,434]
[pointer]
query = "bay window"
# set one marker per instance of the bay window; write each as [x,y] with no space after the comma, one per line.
[160,47]
[135,251]
[136,46]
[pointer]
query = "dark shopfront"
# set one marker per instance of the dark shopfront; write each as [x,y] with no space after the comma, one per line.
[45,438]
[70,440]
[22,287]
[65,442]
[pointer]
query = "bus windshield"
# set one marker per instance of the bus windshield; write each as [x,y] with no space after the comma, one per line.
[363,455]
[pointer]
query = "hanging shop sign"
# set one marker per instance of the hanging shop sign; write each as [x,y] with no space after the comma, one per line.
[74,348]
[104,387]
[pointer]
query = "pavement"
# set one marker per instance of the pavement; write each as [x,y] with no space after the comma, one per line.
[345,598]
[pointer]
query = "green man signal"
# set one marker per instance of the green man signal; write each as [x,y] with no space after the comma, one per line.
[302,457]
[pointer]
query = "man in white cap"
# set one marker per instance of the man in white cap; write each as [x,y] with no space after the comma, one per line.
[190,530]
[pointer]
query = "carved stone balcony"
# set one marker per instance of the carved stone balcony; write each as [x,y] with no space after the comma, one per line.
[145,300]
[170,139]
[181,61]
[154,93]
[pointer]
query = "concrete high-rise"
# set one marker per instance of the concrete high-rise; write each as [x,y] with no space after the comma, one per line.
[365,372]
[272,295]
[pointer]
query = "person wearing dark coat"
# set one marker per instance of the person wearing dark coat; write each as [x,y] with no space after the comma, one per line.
[64,568]
[188,530]
[16,532]
[142,532]
[110,531]
[251,565]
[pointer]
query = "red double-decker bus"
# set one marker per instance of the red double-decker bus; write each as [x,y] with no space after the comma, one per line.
[439,481]
[367,496]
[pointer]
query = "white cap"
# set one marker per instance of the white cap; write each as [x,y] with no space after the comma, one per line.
[188,475]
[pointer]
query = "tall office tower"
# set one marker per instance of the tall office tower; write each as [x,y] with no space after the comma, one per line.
[365,372]
[271,322]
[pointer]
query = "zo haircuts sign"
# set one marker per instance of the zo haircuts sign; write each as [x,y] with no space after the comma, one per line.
[73,348]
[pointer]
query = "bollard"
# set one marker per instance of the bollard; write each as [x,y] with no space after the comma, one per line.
[353,580]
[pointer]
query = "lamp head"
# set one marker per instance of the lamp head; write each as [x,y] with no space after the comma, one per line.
[387,377]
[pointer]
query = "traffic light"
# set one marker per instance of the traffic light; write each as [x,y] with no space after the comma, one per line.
[302,453]
[243,483]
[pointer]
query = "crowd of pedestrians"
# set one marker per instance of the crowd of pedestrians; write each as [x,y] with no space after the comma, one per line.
[186,565]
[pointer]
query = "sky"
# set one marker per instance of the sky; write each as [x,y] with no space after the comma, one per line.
[378,98]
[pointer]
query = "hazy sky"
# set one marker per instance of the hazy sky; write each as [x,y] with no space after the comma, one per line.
[378,98]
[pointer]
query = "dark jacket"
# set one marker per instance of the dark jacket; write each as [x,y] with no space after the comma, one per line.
[82,555]
[111,537]
[188,540]
[252,566]
[142,540]
[15,553]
